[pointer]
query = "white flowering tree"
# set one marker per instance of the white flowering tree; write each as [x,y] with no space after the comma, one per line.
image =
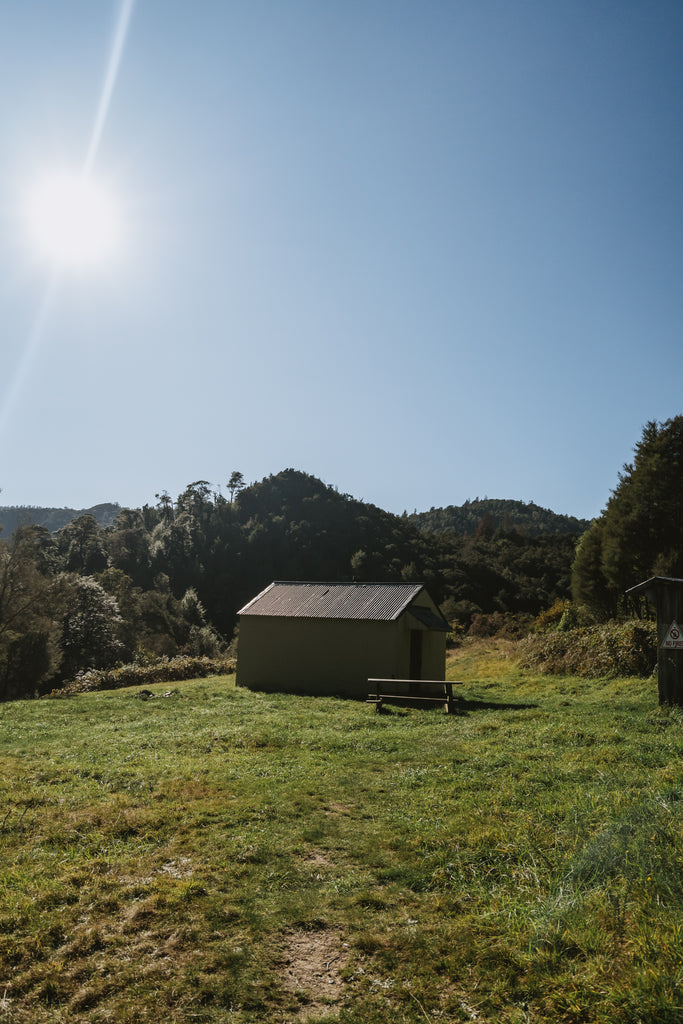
[90,627]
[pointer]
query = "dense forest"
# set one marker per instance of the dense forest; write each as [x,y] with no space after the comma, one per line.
[488,514]
[170,578]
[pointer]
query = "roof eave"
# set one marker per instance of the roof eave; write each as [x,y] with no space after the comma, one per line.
[648,585]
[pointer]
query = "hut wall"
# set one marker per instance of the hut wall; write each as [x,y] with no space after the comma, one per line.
[669,662]
[318,656]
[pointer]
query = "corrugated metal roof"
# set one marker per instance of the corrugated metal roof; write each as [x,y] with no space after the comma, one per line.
[666,581]
[375,601]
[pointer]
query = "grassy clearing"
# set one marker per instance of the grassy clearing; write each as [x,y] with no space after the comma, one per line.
[218,855]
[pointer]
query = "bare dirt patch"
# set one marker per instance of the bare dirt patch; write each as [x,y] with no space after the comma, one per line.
[318,859]
[337,808]
[311,963]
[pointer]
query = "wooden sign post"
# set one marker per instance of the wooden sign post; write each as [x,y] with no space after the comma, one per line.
[666,594]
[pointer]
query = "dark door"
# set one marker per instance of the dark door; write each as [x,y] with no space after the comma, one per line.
[416,654]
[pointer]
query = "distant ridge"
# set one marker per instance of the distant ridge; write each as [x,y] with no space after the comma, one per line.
[491,514]
[473,517]
[53,519]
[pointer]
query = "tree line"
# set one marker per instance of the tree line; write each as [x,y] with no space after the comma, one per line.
[640,532]
[489,514]
[170,578]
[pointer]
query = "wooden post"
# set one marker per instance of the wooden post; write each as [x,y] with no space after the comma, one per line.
[666,594]
[669,654]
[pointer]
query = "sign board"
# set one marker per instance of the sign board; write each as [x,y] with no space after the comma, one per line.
[674,638]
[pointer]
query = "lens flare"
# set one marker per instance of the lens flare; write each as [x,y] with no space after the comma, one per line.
[72,220]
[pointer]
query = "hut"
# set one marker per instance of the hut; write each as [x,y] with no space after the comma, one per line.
[329,638]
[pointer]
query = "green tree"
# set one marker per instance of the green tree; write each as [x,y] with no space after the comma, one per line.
[192,608]
[80,543]
[236,483]
[128,546]
[90,626]
[29,631]
[640,532]
[589,583]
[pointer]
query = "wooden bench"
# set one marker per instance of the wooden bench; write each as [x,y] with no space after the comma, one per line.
[382,690]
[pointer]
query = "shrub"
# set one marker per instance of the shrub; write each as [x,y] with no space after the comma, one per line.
[563,615]
[614,649]
[551,617]
[204,641]
[165,670]
[507,625]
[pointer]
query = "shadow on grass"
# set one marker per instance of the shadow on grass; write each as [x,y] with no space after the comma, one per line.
[494,705]
[461,707]
[398,705]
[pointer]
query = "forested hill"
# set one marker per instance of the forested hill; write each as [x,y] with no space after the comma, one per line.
[474,518]
[485,516]
[53,519]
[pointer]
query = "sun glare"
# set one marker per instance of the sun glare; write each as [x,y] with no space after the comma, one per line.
[72,220]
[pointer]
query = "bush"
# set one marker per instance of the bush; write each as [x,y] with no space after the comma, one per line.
[614,649]
[165,670]
[204,642]
[550,618]
[563,615]
[507,625]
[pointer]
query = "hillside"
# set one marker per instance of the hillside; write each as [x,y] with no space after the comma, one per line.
[487,515]
[53,519]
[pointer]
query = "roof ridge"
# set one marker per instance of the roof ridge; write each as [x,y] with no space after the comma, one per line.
[347,583]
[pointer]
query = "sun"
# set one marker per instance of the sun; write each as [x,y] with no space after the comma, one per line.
[72,220]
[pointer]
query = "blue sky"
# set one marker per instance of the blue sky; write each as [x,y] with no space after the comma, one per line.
[427,251]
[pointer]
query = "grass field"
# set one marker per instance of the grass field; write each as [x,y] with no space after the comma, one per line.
[211,854]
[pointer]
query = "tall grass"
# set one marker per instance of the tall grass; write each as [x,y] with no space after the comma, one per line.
[221,855]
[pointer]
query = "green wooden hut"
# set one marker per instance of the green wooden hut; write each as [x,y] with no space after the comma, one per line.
[329,638]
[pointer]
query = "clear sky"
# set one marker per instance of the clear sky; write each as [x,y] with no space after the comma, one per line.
[427,251]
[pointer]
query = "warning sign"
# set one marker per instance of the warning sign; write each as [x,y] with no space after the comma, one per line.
[674,638]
